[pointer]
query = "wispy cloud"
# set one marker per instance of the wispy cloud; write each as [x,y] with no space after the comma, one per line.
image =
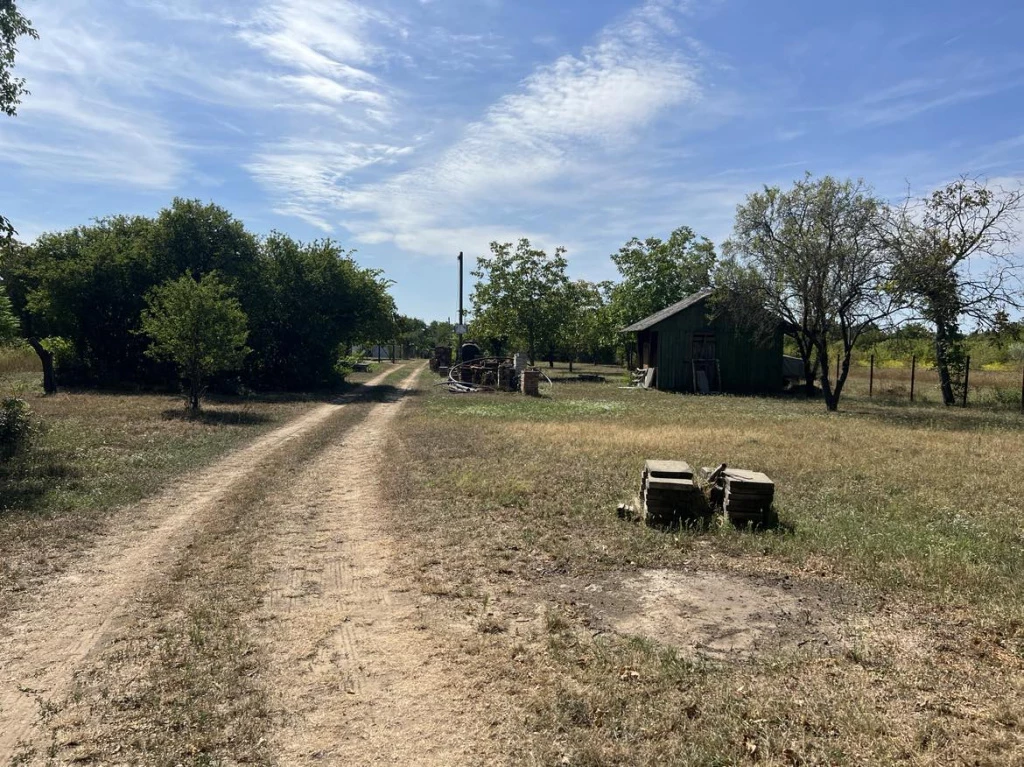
[309,177]
[77,126]
[560,122]
[954,84]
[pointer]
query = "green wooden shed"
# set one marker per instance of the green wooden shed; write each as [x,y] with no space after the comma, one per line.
[692,350]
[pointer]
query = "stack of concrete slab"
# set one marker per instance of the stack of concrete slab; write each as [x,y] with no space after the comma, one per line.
[530,382]
[746,497]
[668,493]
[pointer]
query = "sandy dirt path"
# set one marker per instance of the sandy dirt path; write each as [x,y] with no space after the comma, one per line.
[47,640]
[354,677]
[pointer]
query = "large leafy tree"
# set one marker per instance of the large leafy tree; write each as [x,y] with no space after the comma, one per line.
[811,258]
[954,257]
[86,285]
[657,273]
[316,302]
[198,326]
[588,327]
[12,26]
[9,327]
[520,296]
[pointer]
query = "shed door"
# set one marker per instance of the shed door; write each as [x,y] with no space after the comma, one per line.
[649,351]
[703,354]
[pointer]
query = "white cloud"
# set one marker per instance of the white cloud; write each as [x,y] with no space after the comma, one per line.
[307,177]
[326,89]
[324,37]
[563,119]
[77,125]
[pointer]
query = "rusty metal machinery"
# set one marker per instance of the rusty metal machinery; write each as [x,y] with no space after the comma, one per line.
[486,374]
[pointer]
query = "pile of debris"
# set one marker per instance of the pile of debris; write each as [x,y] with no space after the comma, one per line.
[490,374]
[641,378]
[668,493]
[745,497]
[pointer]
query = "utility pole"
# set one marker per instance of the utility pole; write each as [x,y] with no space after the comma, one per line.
[460,329]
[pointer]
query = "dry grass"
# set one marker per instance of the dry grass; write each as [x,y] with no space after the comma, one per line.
[907,518]
[100,451]
[18,359]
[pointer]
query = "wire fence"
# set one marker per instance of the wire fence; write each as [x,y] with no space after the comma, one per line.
[914,380]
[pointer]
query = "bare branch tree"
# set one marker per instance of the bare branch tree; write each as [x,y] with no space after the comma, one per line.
[810,257]
[954,256]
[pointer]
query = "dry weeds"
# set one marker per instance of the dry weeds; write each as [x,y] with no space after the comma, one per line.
[902,524]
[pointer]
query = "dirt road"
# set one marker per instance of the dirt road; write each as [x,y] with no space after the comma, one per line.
[354,678]
[346,660]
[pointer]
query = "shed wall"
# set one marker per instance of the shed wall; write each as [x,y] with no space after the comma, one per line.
[746,366]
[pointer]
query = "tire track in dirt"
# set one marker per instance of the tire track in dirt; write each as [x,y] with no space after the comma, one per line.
[353,678]
[45,642]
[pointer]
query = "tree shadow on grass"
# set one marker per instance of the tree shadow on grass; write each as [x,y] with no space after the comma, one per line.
[27,478]
[938,417]
[217,417]
[385,393]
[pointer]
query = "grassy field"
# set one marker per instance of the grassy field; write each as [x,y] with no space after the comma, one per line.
[889,602]
[95,452]
[999,389]
[18,359]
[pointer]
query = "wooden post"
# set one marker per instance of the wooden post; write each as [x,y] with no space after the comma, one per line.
[871,378]
[967,378]
[913,370]
[1022,390]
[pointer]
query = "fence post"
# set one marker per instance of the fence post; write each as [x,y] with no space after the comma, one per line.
[913,371]
[871,379]
[1022,390]
[967,377]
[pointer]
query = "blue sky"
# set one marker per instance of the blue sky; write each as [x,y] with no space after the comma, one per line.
[413,129]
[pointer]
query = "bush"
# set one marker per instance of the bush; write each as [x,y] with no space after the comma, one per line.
[15,426]
[346,364]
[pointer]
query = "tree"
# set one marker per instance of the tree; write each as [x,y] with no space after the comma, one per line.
[657,273]
[520,296]
[9,326]
[199,326]
[12,26]
[811,259]
[315,303]
[954,258]
[588,327]
[87,286]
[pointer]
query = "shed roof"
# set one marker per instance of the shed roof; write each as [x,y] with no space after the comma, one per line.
[668,311]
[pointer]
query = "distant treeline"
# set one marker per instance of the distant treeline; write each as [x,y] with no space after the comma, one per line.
[81,294]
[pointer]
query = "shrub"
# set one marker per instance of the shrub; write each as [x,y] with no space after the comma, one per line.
[15,426]
[346,364]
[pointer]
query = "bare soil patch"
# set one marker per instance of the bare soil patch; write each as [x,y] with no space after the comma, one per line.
[717,615]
